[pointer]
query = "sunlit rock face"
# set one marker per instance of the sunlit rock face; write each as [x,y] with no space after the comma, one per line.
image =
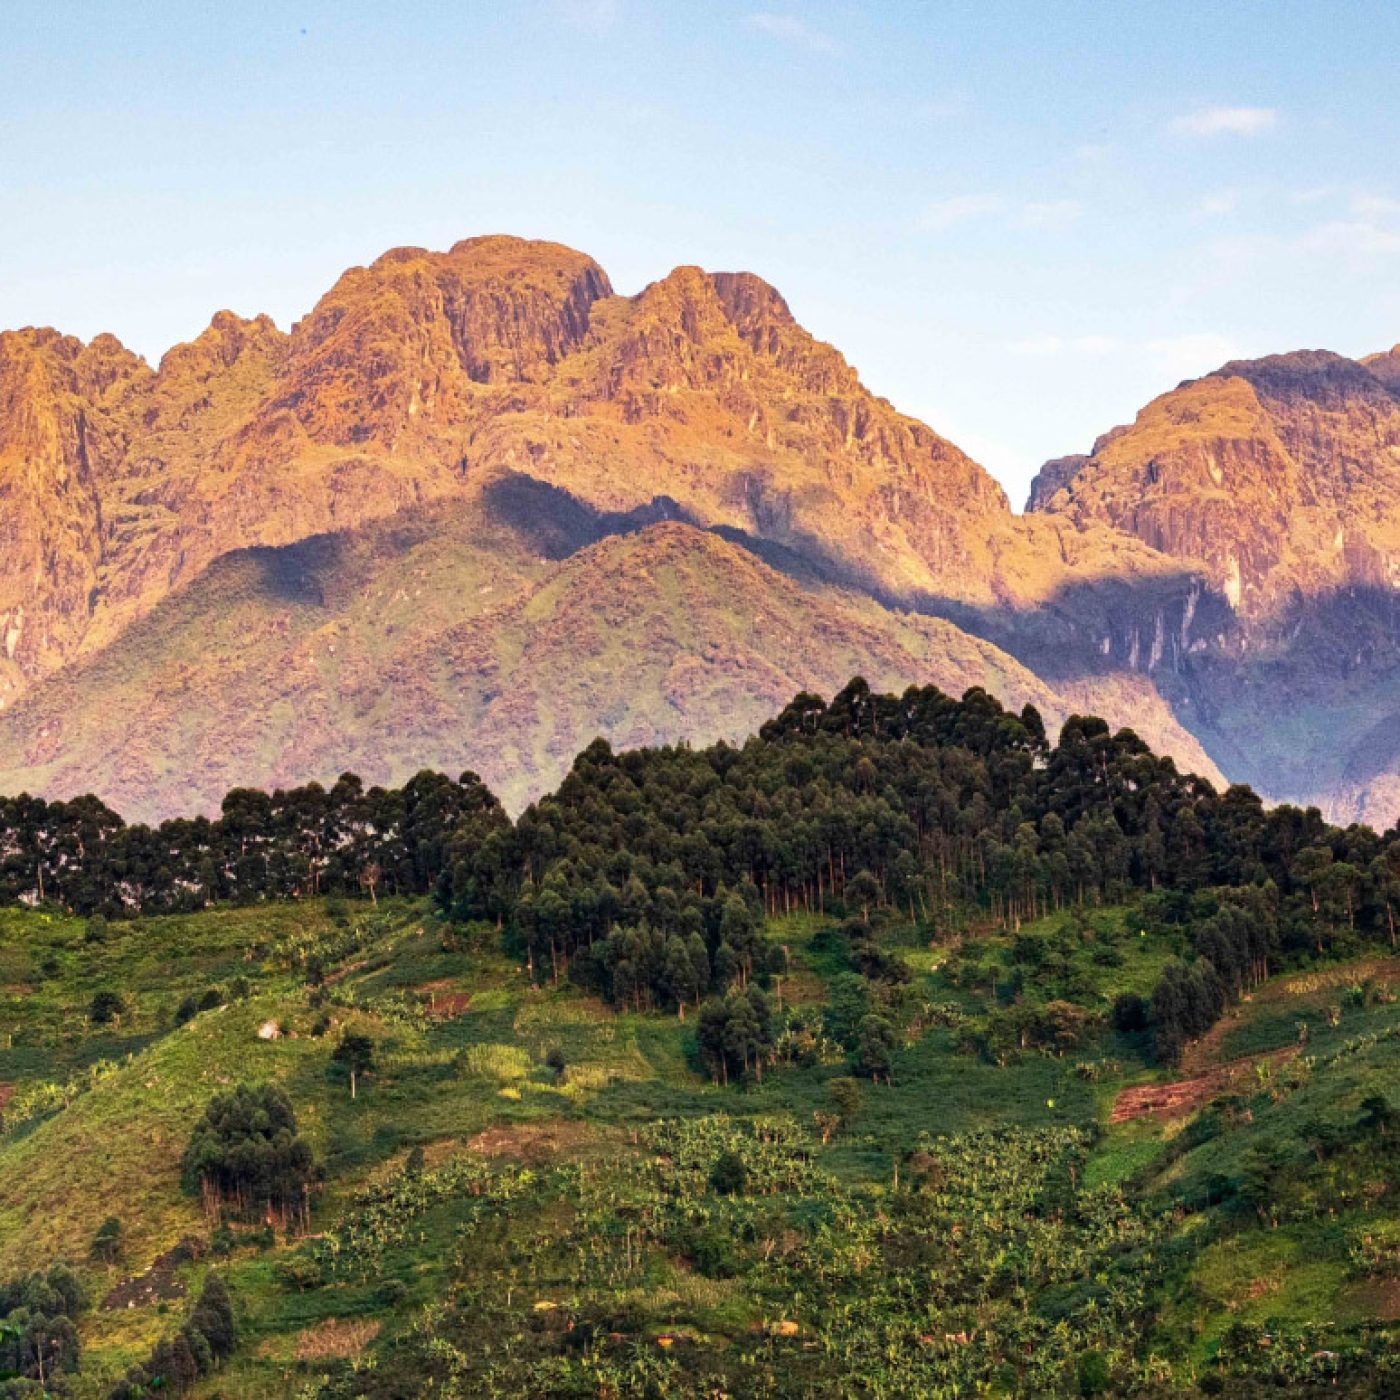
[1279,479]
[504,382]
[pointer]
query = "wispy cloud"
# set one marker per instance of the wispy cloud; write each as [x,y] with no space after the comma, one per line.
[1188,356]
[791,29]
[1051,213]
[1045,346]
[1217,205]
[945,213]
[1226,121]
[1374,206]
[1352,238]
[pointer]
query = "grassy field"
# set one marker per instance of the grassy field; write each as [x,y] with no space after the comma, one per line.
[967,1199]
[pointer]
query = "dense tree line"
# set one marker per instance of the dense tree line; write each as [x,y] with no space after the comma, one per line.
[311,840]
[635,876]
[648,874]
[38,1333]
[245,1156]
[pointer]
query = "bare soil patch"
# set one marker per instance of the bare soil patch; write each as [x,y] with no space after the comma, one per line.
[335,1339]
[161,1283]
[1185,1095]
[530,1142]
[1379,1298]
[444,1002]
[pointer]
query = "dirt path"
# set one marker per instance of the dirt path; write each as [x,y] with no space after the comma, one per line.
[1202,1056]
[1183,1095]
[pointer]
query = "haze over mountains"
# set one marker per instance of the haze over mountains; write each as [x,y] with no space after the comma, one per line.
[476,508]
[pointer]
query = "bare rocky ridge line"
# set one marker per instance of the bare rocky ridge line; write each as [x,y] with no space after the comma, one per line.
[502,369]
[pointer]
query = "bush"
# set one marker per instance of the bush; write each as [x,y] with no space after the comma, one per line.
[875,1048]
[729,1176]
[709,1250]
[1130,1013]
[107,1242]
[107,1006]
[1093,1373]
[846,1097]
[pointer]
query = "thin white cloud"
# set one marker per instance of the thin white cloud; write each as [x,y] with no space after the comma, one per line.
[1352,238]
[1051,213]
[596,15]
[1045,346]
[945,213]
[1217,205]
[792,30]
[1374,206]
[1226,121]
[1189,356]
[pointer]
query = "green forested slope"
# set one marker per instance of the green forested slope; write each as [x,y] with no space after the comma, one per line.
[895,1053]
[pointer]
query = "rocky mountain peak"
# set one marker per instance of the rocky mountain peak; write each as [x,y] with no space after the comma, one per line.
[1280,475]
[1385,367]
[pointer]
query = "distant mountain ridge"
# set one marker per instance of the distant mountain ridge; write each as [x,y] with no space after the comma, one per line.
[1279,479]
[396,530]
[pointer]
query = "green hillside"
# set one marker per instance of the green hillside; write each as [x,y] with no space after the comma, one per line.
[967,1222]
[896,1053]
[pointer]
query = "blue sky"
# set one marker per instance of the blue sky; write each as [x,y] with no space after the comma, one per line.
[1020,219]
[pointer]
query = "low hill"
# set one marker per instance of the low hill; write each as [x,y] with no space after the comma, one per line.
[900,1048]
[500,637]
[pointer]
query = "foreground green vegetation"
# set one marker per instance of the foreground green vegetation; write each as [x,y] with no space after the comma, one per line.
[722,1073]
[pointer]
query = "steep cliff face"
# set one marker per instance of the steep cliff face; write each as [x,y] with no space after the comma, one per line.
[504,382]
[1280,476]
[1279,480]
[1053,477]
[64,418]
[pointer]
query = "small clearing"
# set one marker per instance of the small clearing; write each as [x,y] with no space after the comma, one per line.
[1184,1095]
[161,1283]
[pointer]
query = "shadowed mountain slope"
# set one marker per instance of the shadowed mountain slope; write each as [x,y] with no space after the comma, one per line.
[156,520]
[446,638]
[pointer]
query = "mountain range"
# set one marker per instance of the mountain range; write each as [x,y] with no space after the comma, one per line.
[477,508]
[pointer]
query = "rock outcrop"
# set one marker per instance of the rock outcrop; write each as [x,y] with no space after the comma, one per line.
[506,383]
[1279,480]
[1280,476]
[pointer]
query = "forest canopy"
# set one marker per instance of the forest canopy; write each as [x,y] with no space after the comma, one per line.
[647,876]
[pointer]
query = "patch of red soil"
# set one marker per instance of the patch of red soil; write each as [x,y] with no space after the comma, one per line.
[1184,1095]
[340,974]
[161,1283]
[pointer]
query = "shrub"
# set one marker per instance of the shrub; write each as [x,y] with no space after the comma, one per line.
[729,1176]
[106,1006]
[1130,1013]
[107,1242]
